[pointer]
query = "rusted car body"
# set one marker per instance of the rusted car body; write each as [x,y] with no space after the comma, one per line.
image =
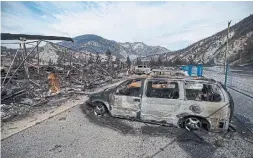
[188,102]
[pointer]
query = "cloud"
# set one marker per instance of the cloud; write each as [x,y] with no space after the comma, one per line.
[150,22]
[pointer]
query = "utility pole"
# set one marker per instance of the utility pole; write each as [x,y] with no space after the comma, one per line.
[203,58]
[241,55]
[226,62]
[240,58]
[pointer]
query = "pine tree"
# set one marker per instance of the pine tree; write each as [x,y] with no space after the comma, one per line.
[128,62]
[98,60]
[108,52]
[167,63]
[138,62]
[109,61]
[152,62]
[91,59]
[160,61]
[109,56]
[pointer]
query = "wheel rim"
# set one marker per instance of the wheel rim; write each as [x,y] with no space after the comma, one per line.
[99,110]
[193,123]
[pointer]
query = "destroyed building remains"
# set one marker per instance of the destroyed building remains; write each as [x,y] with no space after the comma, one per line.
[26,72]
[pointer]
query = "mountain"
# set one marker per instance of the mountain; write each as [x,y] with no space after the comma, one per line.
[96,44]
[55,54]
[211,50]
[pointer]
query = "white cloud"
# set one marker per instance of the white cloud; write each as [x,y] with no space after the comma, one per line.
[125,21]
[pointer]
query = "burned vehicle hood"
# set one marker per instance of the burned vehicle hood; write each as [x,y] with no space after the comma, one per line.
[97,94]
[102,95]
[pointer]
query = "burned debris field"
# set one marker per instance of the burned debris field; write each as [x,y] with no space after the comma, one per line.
[36,80]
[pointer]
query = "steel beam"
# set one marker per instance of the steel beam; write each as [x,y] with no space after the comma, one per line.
[8,36]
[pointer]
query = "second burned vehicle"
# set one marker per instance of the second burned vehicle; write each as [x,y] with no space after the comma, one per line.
[191,103]
[142,69]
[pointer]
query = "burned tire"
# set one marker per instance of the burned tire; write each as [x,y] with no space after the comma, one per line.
[193,123]
[99,109]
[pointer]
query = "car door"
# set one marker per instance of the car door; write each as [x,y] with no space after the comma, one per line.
[126,100]
[161,99]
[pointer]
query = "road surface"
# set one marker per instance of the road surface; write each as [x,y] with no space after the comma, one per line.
[78,133]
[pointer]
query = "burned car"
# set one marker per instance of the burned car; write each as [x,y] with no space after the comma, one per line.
[191,103]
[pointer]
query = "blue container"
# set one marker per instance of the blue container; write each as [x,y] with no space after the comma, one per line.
[184,67]
[189,70]
[200,70]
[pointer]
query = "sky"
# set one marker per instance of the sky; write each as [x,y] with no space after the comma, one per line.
[154,23]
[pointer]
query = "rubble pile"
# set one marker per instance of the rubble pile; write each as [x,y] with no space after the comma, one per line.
[12,110]
[23,91]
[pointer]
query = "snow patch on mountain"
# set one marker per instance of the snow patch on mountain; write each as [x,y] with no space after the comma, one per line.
[49,54]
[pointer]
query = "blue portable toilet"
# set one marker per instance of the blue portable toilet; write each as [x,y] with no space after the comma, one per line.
[200,70]
[189,70]
[184,67]
[193,70]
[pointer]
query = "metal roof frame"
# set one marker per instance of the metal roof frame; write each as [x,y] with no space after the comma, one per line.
[8,36]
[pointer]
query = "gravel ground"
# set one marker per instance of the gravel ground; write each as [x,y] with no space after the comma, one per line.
[78,133]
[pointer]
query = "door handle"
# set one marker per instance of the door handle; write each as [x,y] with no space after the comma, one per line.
[137,100]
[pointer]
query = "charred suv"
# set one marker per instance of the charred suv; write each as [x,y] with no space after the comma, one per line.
[194,104]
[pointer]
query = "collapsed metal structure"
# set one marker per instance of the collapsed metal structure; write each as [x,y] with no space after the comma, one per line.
[25,55]
[73,71]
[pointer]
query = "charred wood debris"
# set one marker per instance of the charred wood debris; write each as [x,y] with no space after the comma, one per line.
[26,84]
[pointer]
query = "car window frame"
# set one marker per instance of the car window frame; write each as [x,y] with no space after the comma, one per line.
[128,82]
[221,93]
[167,80]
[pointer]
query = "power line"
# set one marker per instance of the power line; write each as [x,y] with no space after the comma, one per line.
[195,28]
